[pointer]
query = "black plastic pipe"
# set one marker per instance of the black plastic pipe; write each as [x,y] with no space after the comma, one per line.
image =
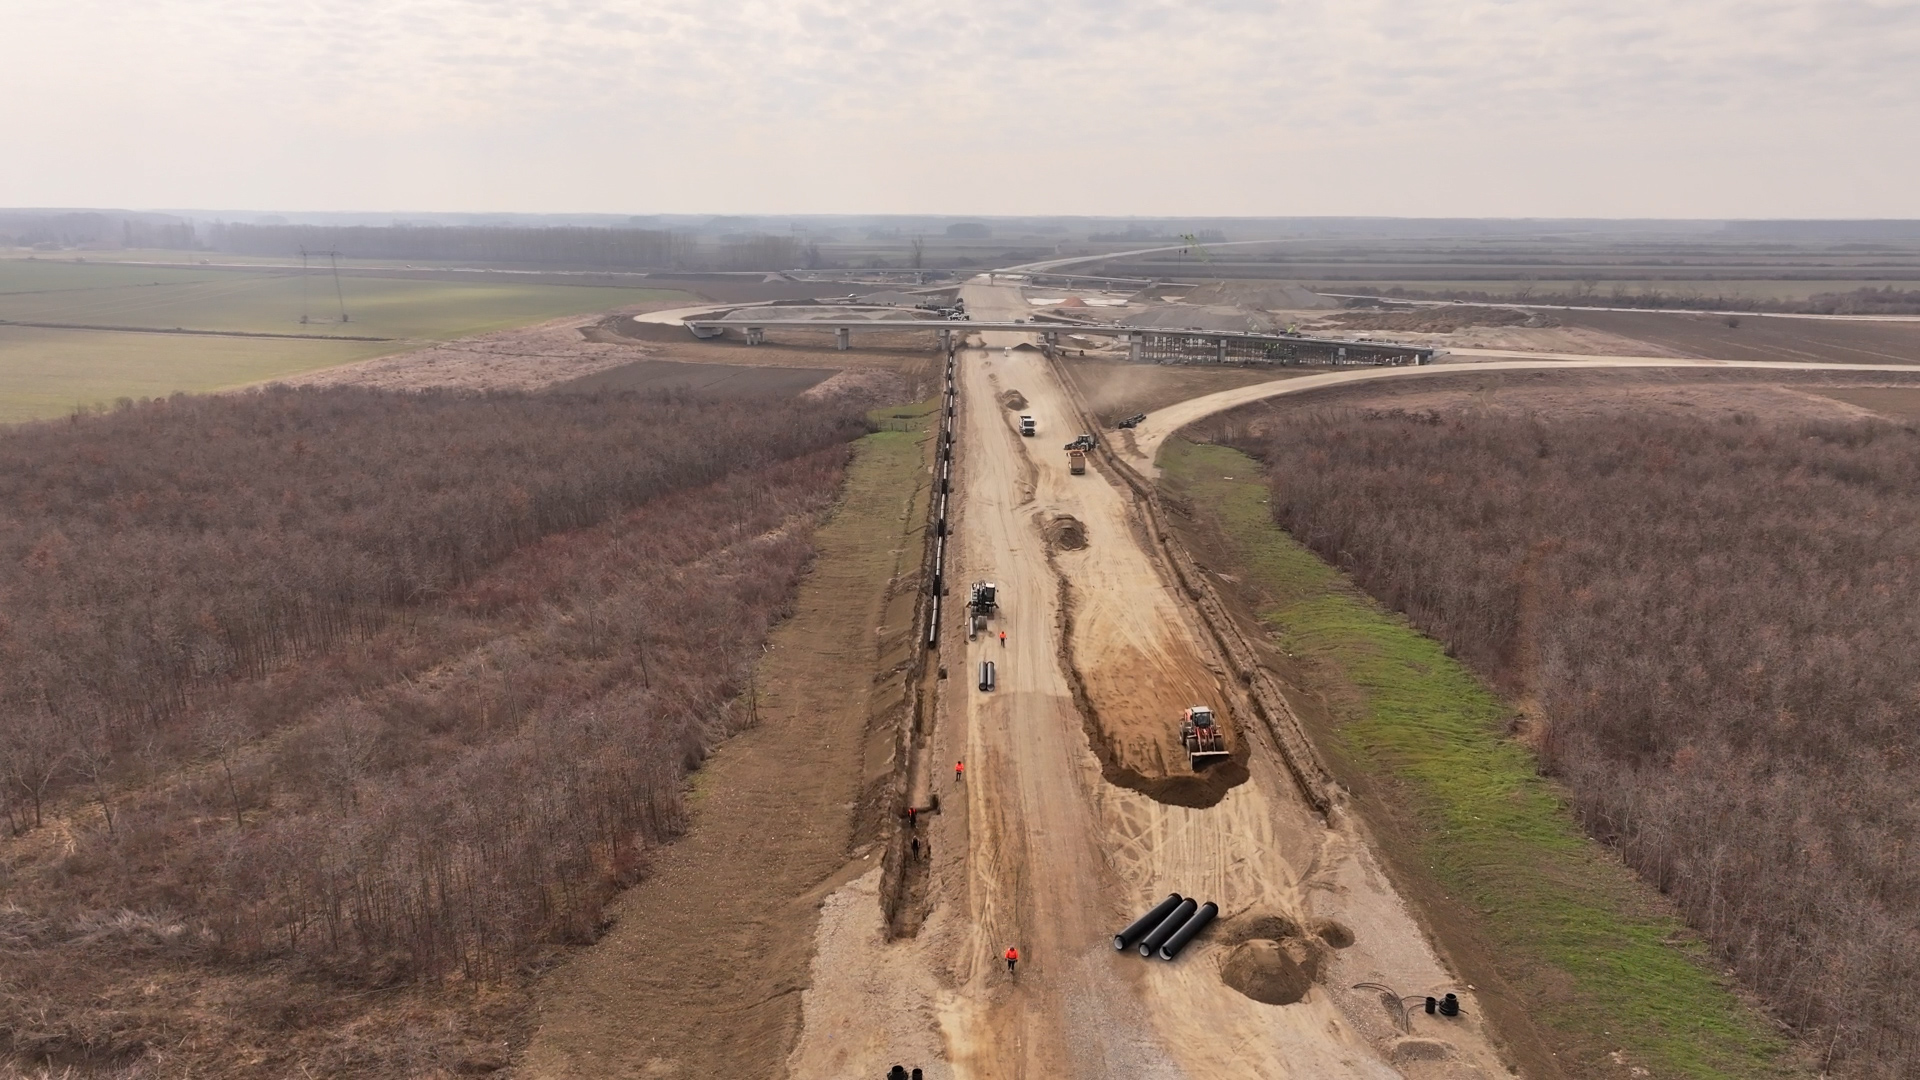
[1158,935]
[1136,929]
[1186,933]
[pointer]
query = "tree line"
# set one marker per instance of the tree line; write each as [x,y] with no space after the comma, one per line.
[1716,619]
[367,687]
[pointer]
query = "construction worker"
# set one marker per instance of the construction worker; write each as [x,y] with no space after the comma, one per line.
[1003,639]
[916,849]
[1013,957]
[912,812]
[959,769]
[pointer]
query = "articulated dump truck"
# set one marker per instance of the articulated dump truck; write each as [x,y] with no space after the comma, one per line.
[1077,462]
[1200,734]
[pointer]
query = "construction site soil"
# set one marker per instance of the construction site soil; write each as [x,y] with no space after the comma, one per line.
[1037,848]
[613,352]
[1115,389]
[1438,320]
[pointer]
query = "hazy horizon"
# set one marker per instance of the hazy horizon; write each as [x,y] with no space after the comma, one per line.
[1742,109]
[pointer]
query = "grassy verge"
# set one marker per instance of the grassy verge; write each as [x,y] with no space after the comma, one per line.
[1594,958]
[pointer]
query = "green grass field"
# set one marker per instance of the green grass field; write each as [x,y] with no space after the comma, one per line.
[47,372]
[1602,962]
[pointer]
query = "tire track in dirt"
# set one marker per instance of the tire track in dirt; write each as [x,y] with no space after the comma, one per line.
[1198,790]
[1052,857]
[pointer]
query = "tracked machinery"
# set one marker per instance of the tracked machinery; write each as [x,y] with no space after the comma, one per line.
[980,606]
[1200,734]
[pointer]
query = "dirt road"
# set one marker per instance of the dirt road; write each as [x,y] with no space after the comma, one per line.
[1144,446]
[1056,837]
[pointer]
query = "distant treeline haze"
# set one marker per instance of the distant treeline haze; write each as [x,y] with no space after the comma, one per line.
[1866,300]
[568,246]
[1717,620]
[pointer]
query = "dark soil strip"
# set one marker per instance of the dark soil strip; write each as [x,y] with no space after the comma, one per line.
[183,330]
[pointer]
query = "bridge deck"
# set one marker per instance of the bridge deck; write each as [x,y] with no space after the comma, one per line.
[1418,353]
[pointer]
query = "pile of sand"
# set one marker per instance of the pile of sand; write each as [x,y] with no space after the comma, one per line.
[1263,970]
[1064,532]
[1439,320]
[1260,295]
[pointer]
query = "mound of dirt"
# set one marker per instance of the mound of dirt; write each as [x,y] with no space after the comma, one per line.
[1013,399]
[1265,972]
[1064,532]
[1277,927]
[1440,320]
[1407,1050]
[1260,295]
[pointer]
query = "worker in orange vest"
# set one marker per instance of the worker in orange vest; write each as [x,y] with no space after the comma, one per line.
[1013,957]
[959,768]
[1003,639]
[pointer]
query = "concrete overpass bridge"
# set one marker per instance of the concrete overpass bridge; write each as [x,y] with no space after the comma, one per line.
[1145,343]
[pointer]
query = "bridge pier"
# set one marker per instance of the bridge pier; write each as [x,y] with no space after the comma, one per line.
[842,338]
[1136,349]
[756,335]
[1220,351]
[946,339]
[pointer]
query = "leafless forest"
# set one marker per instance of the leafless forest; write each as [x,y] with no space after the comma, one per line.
[312,694]
[1715,620]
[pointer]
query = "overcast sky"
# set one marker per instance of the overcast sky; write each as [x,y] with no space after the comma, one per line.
[1611,108]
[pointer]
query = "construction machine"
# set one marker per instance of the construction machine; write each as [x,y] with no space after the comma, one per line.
[1077,462]
[1133,421]
[1200,734]
[1084,442]
[1026,425]
[980,605]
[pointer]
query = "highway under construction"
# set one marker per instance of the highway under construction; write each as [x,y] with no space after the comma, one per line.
[1074,805]
[1079,808]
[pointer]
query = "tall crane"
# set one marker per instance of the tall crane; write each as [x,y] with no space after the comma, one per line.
[1199,249]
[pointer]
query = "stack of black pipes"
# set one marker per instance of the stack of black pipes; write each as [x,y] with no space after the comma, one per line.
[938,586]
[1168,928]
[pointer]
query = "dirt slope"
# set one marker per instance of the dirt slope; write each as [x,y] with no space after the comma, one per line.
[701,973]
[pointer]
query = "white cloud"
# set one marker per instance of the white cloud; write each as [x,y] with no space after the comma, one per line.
[1708,107]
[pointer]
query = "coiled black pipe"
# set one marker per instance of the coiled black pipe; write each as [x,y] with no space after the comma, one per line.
[1186,933]
[1136,929]
[1159,935]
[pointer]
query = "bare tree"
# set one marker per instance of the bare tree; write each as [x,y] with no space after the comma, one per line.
[222,736]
